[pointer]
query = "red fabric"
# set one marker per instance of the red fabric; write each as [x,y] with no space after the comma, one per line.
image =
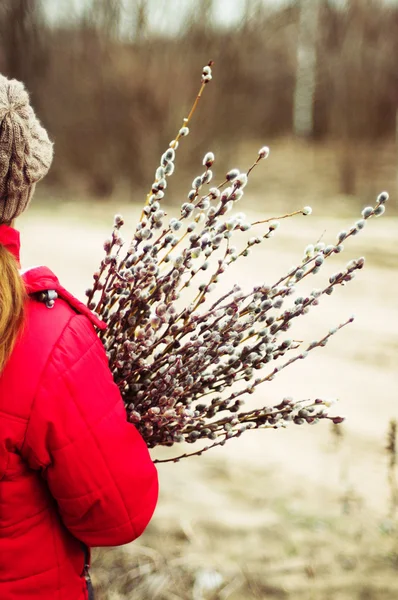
[72,469]
[40,279]
[10,238]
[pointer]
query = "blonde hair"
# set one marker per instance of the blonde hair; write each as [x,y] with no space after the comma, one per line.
[12,304]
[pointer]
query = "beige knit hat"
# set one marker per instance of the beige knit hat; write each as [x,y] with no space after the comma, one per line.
[25,151]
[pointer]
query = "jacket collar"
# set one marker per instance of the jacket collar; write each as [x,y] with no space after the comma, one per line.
[39,279]
[10,239]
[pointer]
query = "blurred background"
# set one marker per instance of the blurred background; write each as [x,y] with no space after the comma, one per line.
[309,513]
[111,79]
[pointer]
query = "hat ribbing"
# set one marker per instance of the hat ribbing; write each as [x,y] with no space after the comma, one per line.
[25,150]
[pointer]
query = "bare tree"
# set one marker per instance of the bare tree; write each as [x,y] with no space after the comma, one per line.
[303,111]
[140,12]
[23,47]
[204,12]
[252,10]
[107,15]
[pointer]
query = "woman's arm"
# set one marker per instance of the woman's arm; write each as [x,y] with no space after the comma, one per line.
[96,464]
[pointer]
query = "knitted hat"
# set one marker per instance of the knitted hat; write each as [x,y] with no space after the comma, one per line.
[25,151]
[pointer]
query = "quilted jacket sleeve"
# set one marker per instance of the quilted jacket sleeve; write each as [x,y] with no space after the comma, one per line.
[96,464]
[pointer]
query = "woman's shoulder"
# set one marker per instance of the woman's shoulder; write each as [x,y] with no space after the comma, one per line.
[52,311]
[58,327]
[44,287]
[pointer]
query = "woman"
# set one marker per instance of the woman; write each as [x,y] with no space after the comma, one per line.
[73,472]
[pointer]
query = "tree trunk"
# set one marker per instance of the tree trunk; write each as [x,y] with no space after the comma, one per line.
[205,11]
[304,93]
[140,8]
[107,14]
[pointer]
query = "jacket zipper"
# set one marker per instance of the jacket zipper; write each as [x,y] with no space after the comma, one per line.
[86,572]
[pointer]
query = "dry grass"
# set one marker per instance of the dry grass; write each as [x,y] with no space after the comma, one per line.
[265,540]
[297,172]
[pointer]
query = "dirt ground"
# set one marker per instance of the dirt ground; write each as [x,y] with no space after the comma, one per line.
[300,513]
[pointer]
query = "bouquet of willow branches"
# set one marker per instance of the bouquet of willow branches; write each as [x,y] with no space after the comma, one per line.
[186,362]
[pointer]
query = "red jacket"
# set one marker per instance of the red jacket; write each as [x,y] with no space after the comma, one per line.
[73,471]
